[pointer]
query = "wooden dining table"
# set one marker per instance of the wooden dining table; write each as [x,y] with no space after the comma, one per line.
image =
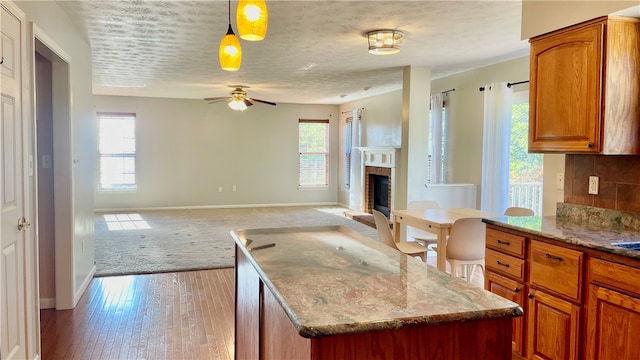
[437,221]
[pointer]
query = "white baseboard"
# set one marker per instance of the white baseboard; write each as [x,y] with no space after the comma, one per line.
[49,303]
[83,287]
[215,207]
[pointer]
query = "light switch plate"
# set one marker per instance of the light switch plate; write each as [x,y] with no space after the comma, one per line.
[593,185]
[560,181]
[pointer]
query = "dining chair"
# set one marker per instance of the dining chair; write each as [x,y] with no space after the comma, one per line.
[466,246]
[428,239]
[385,236]
[518,211]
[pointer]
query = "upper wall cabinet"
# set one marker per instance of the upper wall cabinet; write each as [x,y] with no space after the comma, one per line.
[585,88]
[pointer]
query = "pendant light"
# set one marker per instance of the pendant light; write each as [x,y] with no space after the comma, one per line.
[230,53]
[252,19]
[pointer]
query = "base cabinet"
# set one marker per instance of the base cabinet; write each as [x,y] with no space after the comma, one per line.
[553,327]
[514,291]
[613,316]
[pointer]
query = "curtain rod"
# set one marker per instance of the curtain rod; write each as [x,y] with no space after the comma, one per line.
[509,84]
[448,91]
[350,112]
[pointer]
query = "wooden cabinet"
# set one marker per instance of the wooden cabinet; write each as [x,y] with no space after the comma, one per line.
[514,291]
[585,88]
[553,327]
[546,280]
[505,276]
[613,316]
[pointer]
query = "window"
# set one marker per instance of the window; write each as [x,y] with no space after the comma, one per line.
[117,147]
[525,170]
[313,167]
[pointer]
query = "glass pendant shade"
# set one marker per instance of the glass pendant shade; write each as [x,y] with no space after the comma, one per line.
[238,104]
[230,53]
[252,19]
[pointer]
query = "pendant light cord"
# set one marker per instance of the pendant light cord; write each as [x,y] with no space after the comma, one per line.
[229,12]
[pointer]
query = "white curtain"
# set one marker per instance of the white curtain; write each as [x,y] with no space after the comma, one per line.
[435,143]
[496,140]
[355,176]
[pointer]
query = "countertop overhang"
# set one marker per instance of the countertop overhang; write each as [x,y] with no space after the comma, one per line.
[332,280]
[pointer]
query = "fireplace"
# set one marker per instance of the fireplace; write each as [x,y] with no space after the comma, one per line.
[378,183]
[381,194]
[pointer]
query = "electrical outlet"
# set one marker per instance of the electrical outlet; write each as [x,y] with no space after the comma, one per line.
[593,185]
[220,189]
[233,188]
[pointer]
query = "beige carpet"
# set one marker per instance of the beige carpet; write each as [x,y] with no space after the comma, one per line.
[178,240]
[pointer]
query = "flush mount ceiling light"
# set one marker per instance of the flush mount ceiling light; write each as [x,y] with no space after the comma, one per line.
[230,53]
[384,42]
[252,19]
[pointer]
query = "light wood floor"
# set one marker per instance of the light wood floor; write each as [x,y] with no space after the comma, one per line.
[184,315]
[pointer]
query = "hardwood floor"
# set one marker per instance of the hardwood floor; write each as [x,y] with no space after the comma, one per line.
[183,315]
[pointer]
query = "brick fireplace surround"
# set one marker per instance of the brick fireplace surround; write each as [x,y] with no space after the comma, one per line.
[369,173]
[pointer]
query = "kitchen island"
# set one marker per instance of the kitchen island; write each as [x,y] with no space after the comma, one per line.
[332,293]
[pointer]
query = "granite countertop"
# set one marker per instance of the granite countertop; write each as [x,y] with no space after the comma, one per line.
[595,235]
[333,280]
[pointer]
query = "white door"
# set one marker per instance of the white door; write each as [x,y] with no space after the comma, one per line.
[12,258]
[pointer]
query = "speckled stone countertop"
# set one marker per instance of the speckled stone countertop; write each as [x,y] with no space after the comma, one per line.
[333,280]
[594,234]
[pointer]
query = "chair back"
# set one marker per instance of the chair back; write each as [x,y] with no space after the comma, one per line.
[384,231]
[518,211]
[467,239]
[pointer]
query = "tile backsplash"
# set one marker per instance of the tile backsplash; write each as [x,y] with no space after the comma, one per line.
[619,178]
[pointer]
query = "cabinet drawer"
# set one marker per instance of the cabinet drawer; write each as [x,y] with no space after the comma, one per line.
[505,242]
[504,264]
[613,275]
[557,269]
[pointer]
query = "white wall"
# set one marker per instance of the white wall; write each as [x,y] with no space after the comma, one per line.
[381,126]
[53,21]
[187,149]
[466,113]
[381,121]
[541,17]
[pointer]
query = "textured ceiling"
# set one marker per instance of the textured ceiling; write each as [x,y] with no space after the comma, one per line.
[314,51]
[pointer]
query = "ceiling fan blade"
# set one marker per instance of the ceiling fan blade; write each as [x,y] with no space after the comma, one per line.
[247,102]
[215,100]
[263,101]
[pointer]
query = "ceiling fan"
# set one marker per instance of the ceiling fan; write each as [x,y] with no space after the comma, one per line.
[238,99]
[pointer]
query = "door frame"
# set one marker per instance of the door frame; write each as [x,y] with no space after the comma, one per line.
[62,162]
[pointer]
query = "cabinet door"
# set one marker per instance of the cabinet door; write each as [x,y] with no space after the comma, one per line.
[514,291]
[566,90]
[247,309]
[553,327]
[613,321]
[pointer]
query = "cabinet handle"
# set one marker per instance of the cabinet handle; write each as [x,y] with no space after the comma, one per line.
[502,264]
[516,290]
[590,145]
[503,242]
[530,295]
[551,257]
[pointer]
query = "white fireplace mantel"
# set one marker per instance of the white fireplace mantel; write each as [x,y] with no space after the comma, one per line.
[379,156]
[384,157]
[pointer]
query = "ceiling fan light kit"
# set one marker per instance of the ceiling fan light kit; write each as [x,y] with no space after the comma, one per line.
[238,99]
[252,19]
[384,41]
